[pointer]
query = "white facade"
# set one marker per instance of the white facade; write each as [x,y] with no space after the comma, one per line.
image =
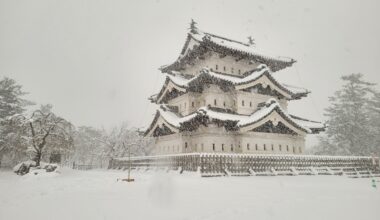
[241,99]
[215,139]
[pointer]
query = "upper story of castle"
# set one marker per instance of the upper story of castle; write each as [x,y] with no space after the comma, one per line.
[218,72]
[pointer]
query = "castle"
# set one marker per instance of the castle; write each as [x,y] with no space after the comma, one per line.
[220,96]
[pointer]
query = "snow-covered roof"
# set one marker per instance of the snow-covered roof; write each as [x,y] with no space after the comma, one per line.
[315,126]
[180,82]
[240,121]
[236,45]
[198,39]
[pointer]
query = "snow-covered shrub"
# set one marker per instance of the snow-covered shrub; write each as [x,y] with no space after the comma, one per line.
[49,167]
[23,167]
[30,166]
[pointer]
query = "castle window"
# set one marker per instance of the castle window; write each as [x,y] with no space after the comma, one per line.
[215,102]
[257,148]
[239,72]
[250,104]
[265,147]
[224,104]
[232,70]
[287,147]
[272,147]
[242,103]
[280,147]
[224,68]
[232,147]
[213,147]
[185,145]
[192,104]
[216,66]
[247,146]
[222,147]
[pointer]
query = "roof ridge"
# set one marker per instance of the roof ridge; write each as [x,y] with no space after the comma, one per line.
[225,38]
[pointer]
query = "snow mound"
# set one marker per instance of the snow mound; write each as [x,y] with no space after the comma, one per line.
[30,167]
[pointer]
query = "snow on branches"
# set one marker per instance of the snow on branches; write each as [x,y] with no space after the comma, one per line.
[43,128]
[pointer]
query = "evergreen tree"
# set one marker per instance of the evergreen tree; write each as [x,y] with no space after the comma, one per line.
[11,104]
[374,114]
[351,127]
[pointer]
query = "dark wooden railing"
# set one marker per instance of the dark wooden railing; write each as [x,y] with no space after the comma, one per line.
[217,164]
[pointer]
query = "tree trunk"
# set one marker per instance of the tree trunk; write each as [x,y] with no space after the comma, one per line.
[37,158]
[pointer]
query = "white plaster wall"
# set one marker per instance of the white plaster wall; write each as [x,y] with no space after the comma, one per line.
[168,144]
[205,138]
[282,143]
[190,102]
[233,100]
[251,100]
[227,64]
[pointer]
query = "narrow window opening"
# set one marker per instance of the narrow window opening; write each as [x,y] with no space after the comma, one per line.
[216,66]
[213,147]
[215,102]
[247,146]
[242,103]
[222,147]
[257,147]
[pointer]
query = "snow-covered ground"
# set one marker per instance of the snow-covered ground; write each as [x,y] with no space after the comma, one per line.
[98,195]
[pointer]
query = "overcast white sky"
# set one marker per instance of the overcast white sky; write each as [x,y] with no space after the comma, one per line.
[97,61]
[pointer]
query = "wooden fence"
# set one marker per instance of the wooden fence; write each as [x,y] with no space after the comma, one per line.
[218,164]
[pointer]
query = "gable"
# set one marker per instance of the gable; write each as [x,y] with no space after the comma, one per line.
[279,128]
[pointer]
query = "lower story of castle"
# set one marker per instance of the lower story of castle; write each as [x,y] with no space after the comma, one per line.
[214,140]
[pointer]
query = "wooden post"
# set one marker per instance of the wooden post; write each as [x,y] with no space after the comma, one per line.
[129,179]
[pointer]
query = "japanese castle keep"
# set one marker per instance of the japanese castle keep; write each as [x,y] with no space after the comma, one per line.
[220,96]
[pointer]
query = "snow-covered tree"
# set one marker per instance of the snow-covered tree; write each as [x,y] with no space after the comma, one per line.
[11,103]
[90,146]
[374,123]
[97,146]
[351,126]
[45,132]
[122,138]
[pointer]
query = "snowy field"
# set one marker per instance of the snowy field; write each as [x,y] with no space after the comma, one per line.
[97,195]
